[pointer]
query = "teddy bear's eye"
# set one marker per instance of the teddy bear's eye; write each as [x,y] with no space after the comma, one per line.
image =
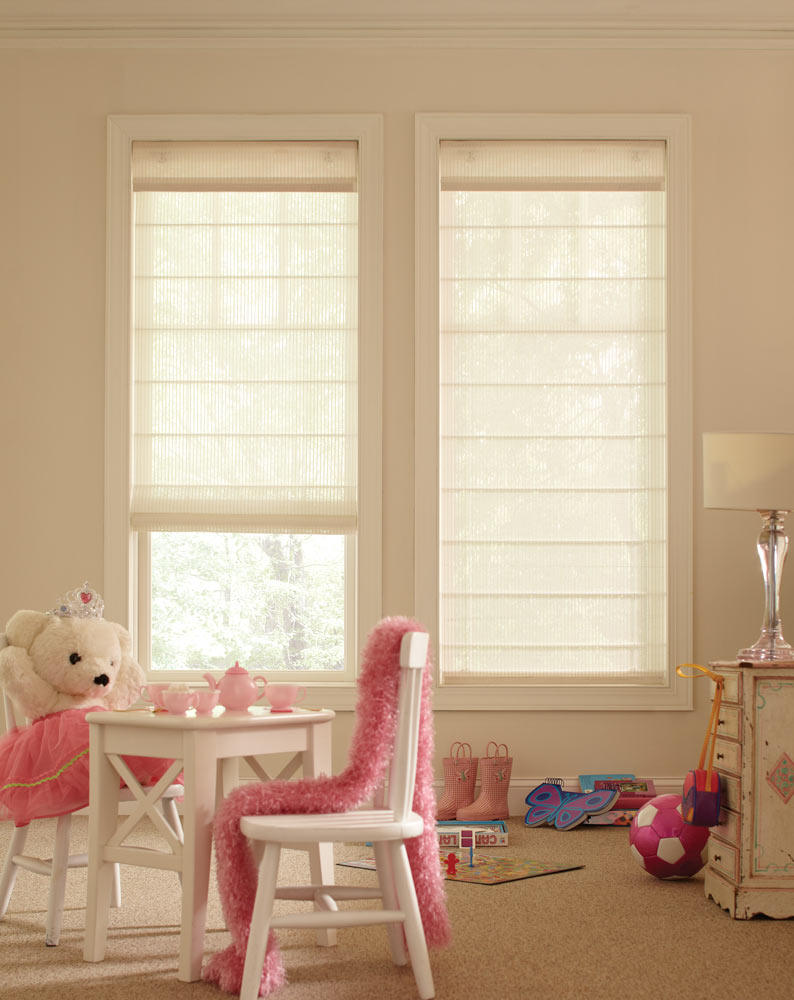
[75,658]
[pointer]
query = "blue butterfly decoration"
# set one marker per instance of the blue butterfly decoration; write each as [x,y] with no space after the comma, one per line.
[548,803]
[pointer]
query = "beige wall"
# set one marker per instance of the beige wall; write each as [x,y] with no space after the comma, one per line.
[54,103]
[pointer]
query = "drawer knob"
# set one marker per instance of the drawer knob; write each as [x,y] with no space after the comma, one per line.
[718,857]
[721,722]
[720,756]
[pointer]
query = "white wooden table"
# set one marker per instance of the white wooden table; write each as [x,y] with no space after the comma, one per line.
[207,749]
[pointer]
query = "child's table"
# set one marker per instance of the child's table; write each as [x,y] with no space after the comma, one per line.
[207,749]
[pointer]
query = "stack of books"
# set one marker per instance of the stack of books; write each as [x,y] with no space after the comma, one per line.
[634,793]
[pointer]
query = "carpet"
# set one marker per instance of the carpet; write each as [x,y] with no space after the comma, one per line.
[488,869]
[530,938]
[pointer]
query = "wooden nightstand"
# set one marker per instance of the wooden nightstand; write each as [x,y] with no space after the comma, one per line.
[751,852]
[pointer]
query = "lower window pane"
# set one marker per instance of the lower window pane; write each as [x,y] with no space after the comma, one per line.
[273,602]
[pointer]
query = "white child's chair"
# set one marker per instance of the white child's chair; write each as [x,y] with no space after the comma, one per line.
[61,861]
[386,828]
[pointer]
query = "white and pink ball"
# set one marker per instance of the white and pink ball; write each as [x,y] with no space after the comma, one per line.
[663,844]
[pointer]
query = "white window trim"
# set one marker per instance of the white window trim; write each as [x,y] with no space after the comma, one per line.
[676,694]
[120,553]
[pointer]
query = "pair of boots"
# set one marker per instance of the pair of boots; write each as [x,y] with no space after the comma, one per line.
[460,777]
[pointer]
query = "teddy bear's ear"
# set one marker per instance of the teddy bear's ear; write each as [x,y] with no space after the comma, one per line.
[24,626]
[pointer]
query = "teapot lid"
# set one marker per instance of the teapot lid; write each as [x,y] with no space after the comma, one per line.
[236,669]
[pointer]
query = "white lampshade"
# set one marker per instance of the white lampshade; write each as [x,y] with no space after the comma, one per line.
[748,471]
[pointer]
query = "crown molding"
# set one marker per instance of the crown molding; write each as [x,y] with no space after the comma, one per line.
[480,31]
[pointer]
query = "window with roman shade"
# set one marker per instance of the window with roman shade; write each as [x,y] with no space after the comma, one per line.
[553,411]
[242,486]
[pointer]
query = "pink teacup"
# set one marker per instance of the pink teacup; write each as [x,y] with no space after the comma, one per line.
[283,695]
[178,702]
[153,693]
[207,700]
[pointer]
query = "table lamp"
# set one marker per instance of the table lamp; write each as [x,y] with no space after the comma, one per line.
[756,472]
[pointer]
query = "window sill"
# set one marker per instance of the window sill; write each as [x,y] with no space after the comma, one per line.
[342,696]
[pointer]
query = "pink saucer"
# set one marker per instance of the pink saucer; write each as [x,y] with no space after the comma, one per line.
[280,710]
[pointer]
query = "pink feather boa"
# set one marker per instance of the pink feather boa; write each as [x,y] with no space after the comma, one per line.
[370,752]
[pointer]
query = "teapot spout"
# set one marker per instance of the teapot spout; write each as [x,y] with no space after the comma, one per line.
[211,681]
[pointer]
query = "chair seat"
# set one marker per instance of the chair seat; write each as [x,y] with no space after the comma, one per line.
[365,824]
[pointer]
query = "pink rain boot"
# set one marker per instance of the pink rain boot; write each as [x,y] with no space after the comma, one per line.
[460,775]
[491,803]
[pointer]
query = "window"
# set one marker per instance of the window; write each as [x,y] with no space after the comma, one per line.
[252,503]
[554,329]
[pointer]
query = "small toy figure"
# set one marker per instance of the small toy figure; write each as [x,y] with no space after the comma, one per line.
[467,840]
[452,863]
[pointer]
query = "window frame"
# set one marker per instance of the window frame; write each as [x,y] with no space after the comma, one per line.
[431,129]
[125,555]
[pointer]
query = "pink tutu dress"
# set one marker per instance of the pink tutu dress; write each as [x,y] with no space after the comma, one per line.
[44,767]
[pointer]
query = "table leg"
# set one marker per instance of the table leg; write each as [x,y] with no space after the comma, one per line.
[229,777]
[102,823]
[200,789]
[317,761]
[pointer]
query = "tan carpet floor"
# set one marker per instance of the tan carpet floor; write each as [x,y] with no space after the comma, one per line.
[604,931]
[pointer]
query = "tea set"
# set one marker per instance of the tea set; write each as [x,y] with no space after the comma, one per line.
[236,691]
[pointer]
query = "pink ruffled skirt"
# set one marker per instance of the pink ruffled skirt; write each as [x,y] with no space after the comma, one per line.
[44,767]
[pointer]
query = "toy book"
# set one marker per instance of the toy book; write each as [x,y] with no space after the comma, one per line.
[487,834]
[629,786]
[614,817]
[587,781]
[491,824]
[549,803]
[633,793]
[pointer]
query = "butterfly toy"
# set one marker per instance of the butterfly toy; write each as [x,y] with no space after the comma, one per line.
[548,803]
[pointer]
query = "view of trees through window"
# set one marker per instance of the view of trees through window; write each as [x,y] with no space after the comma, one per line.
[271,601]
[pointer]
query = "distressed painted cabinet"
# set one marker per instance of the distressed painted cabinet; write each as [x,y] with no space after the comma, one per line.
[751,852]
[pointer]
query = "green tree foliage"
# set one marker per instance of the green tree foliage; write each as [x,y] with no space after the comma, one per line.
[273,602]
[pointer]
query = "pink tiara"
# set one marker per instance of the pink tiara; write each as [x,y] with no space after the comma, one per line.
[82,602]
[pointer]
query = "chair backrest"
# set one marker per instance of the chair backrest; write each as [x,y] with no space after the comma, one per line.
[402,774]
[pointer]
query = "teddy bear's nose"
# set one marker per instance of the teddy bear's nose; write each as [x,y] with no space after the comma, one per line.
[103,679]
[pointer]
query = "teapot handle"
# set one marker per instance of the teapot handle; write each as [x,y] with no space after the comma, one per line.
[260,677]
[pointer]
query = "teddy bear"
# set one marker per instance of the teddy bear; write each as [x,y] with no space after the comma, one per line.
[58,666]
[57,662]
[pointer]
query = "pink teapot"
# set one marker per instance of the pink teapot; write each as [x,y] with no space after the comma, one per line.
[237,687]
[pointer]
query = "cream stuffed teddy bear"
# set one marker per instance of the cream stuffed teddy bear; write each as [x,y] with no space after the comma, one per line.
[54,662]
[56,668]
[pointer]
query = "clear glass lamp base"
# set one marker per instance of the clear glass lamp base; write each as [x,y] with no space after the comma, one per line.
[772,548]
[768,651]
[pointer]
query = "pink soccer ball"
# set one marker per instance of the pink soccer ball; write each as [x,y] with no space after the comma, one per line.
[663,844]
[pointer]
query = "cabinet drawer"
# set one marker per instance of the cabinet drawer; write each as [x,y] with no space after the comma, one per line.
[731,689]
[728,827]
[728,756]
[731,789]
[723,857]
[728,722]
